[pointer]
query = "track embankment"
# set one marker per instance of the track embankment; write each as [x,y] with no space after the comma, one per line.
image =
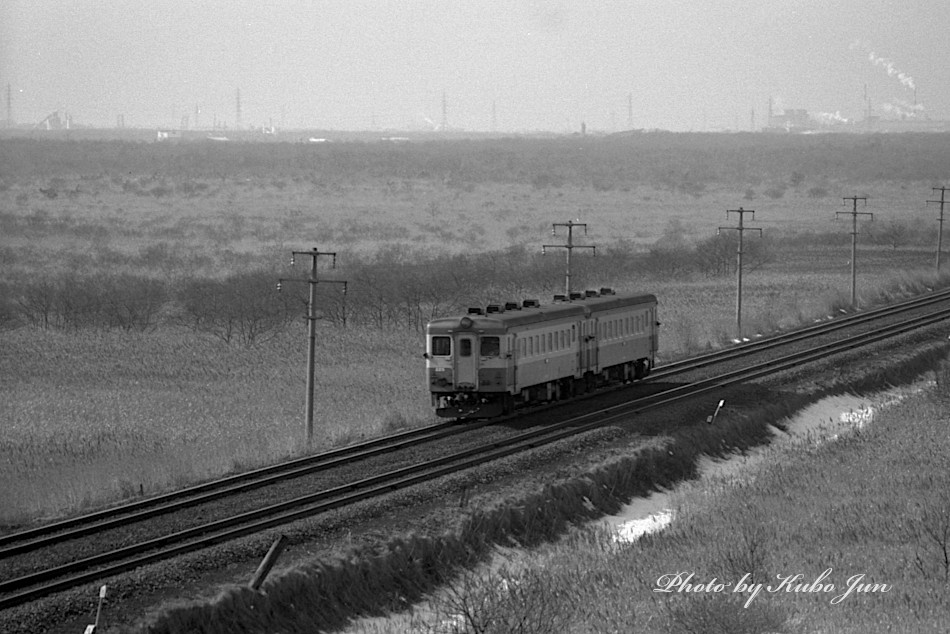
[528,499]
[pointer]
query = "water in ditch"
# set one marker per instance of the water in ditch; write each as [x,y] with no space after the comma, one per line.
[822,421]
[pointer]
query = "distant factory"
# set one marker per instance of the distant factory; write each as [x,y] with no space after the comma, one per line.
[798,121]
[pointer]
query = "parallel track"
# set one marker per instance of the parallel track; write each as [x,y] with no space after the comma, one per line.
[26,588]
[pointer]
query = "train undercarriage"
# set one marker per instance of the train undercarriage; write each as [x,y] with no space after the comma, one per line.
[474,405]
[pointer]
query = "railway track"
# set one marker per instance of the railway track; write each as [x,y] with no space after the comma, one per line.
[56,578]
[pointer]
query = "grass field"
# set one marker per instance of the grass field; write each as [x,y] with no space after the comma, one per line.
[99,416]
[840,536]
[96,415]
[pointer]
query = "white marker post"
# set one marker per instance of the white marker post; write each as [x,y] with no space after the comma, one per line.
[91,629]
[711,419]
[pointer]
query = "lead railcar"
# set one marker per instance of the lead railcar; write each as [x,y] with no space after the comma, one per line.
[488,362]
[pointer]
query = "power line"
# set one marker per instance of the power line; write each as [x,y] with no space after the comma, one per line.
[570,246]
[313,280]
[854,213]
[741,228]
[942,201]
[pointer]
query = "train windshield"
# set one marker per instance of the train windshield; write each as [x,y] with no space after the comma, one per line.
[491,347]
[441,346]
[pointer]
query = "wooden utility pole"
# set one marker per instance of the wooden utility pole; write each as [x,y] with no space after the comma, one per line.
[741,228]
[314,255]
[854,213]
[942,201]
[570,246]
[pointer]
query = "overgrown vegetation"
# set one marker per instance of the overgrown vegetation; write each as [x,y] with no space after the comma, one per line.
[601,585]
[169,256]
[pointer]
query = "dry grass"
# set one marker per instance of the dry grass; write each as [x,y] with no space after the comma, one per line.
[96,416]
[93,417]
[872,507]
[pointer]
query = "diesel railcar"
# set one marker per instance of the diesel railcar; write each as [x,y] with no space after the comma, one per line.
[490,361]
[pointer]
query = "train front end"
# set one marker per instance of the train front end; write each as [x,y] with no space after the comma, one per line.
[468,366]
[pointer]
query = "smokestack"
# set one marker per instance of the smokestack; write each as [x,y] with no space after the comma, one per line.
[238,100]
[445,112]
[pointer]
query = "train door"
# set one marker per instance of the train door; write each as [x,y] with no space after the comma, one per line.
[466,362]
[589,345]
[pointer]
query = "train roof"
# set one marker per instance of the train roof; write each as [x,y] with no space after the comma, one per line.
[509,318]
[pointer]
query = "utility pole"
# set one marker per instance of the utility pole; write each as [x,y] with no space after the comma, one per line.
[314,255]
[854,213]
[741,228]
[942,201]
[570,246]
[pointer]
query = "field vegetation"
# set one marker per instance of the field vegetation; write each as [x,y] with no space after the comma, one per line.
[840,532]
[145,345]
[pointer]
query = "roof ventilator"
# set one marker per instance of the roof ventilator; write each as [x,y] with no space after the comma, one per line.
[512,306]
[494,308]
[475,310]
[531,303]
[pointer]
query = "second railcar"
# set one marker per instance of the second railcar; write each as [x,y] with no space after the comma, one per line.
[488,362]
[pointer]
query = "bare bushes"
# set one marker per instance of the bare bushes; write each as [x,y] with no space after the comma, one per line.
[242,308]
[127,302]
[506,602]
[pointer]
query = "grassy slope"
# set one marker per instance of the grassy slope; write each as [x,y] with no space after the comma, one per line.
[873,507]
[874,503]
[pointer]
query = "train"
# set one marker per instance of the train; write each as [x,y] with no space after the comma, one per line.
[490,361]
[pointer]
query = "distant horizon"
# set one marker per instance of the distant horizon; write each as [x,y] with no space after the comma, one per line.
[508,66]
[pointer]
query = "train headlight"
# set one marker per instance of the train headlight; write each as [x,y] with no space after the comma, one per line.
[466,322]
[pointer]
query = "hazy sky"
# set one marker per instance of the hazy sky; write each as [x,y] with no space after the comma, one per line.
[546,65]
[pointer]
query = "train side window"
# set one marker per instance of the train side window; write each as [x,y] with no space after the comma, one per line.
[441,346]
[465,347]
[491,347]
[550,342]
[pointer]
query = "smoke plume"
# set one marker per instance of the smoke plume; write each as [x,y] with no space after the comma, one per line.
[892,71]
